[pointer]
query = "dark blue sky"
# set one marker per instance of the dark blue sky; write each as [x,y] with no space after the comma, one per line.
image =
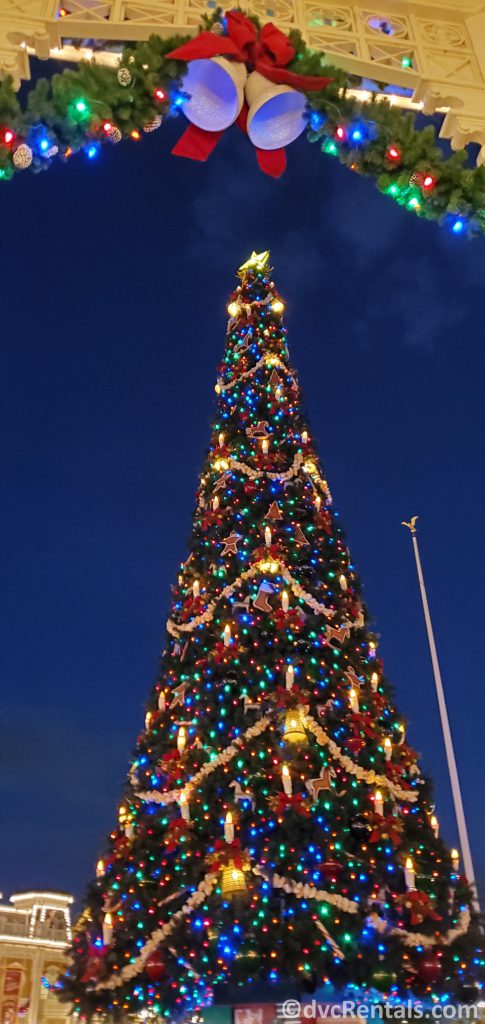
[114,280]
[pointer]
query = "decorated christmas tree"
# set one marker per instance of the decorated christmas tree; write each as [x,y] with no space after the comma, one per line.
[275,827]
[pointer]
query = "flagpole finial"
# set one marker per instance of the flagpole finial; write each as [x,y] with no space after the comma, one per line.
[412,524]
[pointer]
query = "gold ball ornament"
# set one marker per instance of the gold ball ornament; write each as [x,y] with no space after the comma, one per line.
[124,77]
[22,158]
[153,125]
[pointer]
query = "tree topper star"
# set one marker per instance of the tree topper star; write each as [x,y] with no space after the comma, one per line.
[256,261]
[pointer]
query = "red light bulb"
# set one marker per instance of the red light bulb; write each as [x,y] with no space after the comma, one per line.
[8,136]
[340,133]
[393,153]
[160,95]
[429,182]
[107,126]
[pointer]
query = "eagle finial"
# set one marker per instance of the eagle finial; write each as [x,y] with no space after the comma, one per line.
[412,524]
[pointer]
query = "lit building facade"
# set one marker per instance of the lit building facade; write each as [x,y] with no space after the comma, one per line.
[35,932]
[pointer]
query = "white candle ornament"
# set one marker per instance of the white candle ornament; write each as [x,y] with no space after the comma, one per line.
[374,681]
[378,802]
[343,582]
[267,536]
[184,806]
[161,701]
[434,825]
[387,749]
[196,588]
[265,446]
[181,739]
[227,636]
[455,860]
[107,929]
[215,503]
[285,601]
[354,700]
[286,777]
[304,437]
[290,677]
[409,874]
[228,828]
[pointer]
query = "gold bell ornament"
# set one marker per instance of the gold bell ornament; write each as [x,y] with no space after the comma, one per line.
[216,92]
[233,881]
[294,731]
[276,112]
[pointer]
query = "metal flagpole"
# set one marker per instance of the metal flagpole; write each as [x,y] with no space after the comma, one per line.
[445,725]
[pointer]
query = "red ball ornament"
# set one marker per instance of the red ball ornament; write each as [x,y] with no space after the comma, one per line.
[429,969]
[355,745]
[155,967]
[331,869]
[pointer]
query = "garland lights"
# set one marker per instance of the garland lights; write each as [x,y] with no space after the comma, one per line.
[301,851]
[227,755]
[79,110]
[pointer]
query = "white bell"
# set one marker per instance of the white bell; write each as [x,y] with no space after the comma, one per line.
[215,87]
[276,113]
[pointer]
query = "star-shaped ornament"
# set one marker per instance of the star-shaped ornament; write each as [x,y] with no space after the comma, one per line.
[230,544]
[256,261]
[258,431]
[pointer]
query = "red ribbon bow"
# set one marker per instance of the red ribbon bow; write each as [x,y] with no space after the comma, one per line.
[226,854]
[177,829]
[386,828]
[268,52]
[420,907]
[394,773]
[290,698]
[282,803]
[363,723]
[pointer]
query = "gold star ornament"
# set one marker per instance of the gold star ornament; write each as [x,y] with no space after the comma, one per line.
[256,261]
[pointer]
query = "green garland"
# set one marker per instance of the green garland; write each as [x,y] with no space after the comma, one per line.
[79,109]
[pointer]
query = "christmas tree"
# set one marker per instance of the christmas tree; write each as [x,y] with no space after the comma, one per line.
[275,826]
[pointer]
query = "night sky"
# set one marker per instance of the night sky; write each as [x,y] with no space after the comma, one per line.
[114,279]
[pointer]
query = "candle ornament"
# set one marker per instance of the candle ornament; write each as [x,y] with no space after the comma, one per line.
[286,778]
